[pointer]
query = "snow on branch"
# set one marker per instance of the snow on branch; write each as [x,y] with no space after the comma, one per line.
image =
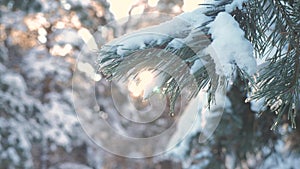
[229,47]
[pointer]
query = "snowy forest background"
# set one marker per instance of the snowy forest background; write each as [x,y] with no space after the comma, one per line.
[39,44]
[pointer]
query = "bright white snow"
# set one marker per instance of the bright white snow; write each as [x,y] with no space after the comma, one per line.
[235,4]
[157,34]
[230,47]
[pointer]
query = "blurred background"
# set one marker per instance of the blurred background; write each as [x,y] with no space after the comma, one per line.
[40,41]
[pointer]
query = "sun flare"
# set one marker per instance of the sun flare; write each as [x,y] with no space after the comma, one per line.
[138,85]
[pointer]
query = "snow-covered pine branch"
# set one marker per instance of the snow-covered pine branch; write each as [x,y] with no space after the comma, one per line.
[237,33]
[208,42]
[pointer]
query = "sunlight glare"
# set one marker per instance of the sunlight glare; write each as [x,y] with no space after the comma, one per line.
[138,86]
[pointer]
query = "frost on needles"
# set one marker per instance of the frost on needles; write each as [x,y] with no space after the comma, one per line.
[217,42]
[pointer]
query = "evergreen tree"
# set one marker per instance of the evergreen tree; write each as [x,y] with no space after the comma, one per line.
[213,50]
[272,27]
[242,33]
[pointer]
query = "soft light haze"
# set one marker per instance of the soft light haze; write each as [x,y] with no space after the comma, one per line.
[120,8]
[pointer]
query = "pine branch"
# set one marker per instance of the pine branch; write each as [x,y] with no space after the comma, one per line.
[276,38]
[160,55]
